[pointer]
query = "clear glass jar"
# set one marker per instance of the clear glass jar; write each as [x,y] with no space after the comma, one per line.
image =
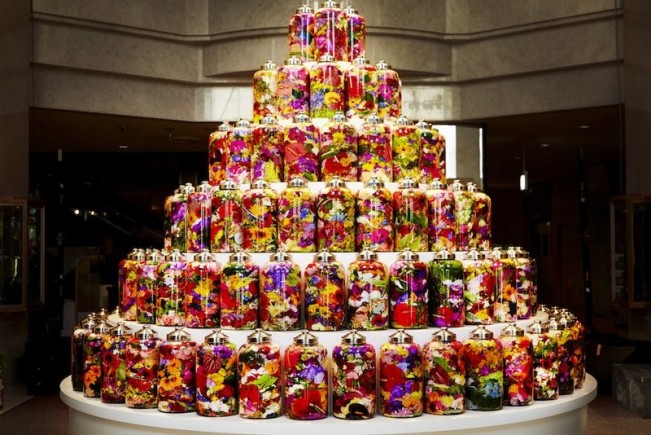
[240,147]
[218,154]
[226,219]
[447,307]
[408,292]
[280,294]
[368,298]
[410,217]
[389,95]
[265,87]
[260,215]
[114,362]
[92,371]
[297,217]
[293,89]
[239,293]
[405,145]
[216,376]
[142,369]
[128,284]
[484,371]
[329,34]
[361,88]
[401,377]
[302,149]
[147,288]
[442,232]
[335,212]
[374,146]
[170,291]
[445,374]
[176,373]
[432,154]
[545,356]
[327,88]
[479,293]
[338,150]
[201,288]
[267,159]
[301,34]
[374,217]
[517,351]
[325,294]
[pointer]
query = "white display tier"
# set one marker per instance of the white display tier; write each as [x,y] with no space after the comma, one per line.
[567,415]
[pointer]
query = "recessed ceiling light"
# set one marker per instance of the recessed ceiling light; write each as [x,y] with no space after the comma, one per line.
[123,147]
[584,126]
[544,145]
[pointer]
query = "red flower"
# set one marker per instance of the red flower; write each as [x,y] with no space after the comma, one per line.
[404,315]
[308,402]
[250,394]
[392,375]
[292,357]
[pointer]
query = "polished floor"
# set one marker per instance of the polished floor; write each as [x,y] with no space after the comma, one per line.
[47,415]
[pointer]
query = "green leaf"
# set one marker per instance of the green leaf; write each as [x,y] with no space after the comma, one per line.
[265,381]
[121,372]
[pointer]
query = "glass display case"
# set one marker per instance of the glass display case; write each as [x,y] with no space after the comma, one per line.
[21,254]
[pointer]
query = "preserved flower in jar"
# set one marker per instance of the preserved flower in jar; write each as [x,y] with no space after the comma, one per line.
[506,297]
[483,215]
[114,364]
[545,366]
[201,286]
[176,373]
[338,149]
[368,299]
[216,376]
[524,285]
[374,145]
[77,359]
[240,147]
[361,88]
[226,220]
[297,217]
[327,89]
[479,293]
[179,217]
[293,89]
[128,284]
[301,34]
[446,298]
[517,351]
[268,142]
[265,85]
[218,153]
[355,26]
[329,31]
[239,293]
[280,293]
[484,371]
[142,370]
[147,288]
[325,294]
[260,214]
[442,232]
[578,354]
[389,92]
[335,212]
[464,215]
[92,371]
[197,230]
[170,291]
[410,211]
[558,326]
[401,377]
[301,149]
[432,153]
[374,211]
[405,144]
[445,374]
[408,292]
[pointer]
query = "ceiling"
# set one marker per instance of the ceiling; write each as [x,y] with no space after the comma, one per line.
[507,139]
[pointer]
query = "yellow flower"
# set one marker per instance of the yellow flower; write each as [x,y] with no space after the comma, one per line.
[331,98]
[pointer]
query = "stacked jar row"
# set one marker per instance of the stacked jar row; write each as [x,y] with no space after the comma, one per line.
[324,295]
[271,152]
[297,220]
[215,378]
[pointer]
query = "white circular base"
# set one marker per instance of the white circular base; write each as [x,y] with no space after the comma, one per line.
[567,415]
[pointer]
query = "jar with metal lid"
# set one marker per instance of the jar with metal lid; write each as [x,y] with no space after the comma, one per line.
[240,148]
[517,351]
[479,293]
[442,233]
[226,218]
[92,371]
[481,231]
[545,357]
[374,217]
[259,377]
[293,89]
[306,378]
[327,88]
[114,363]
[329,34]
[401,377]
[447,306]
[445,374]
[301,149]
[259,218]
[559,327]
[77,359]
[410,216]
[374,146]
[506,296]
[432,153]
[361,88]
[368,298]
[128,279]
[335,211]
[578,355]
[325,293]
[405,145]
[176,373]
[201,287]
[268,142]
[280,293]
[389,95]
[147,287]
[170,291]
[301,34]
[524,285]
[533,293]
[408,296]
[216,376]
[297,217]
[265,86]
[354,372]
[239,293]
[197,230]
[355,26]
[218,153]
[484,371]
[338,149]
[464,215]
[142,369]
[179,217]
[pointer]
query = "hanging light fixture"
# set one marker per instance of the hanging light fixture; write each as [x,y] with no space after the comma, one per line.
[524,177]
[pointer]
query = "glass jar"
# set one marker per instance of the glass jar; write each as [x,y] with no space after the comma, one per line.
[410,212]
[114,363]
[353,378]
[578,355]
[442,231]
[405,145]
[479,293]
[374,211]
[408,292]
[361,88]
[483,215]
[301,149]
[265,86]
[216,375]
[464,215]
[335,212]
[389,95]
[484,371]
[301,34]
[179,216]
[260,214]
[239,293]
[77,359]
[445,374]
[218,154]
[147,288]
[259,377]
[226,220]
[167,221]
[197,230]
[240,148]
[523,282]
[558,327]
[327,88]
[128,283]
[368,299]
[545,357]
[201,288]
[355,26]
[92,371]
[142,369]
[306,378]
[401,377]
[268,142]
[338,149]
[329,34]
[506,296]
[374,146]
[293,89]
[447,306]
[517,351]
[432,153]
[176,373]
[280,294]
[297,217]
[170,291]
[325,294]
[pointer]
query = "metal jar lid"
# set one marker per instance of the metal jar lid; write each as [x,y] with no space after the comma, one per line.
[102,314]
[259,184]
[268,120]
[175,255]
[117,311]
[280,255]
[373,119]
[474,254]
[408,255]
[556,325]
[471,187]
[239,257]
[179,334]
[407,183]
[89,321]
[367,255]
[498,253]
[204,187]
[216,337]
[339,117]
[324,257]
[400,337]
[422,124]
[353,337]
[481,333]
[294,60]
[437,184]
[537,327]
[155,255]
[330,4]
[301,118]
[444,254]
[120,330]
[327,58]
[258,336]
[145,333]
[456,186]
[521,253]
[444,335]
[224,127]
[336,182]
[305,338]
[204,256]
[297,181]
[140,255]
[243,123]
[228,185]
[361,61]
[375,183]
[268,66]
[382,65]
[305,9]
[512,330]
[102,327]
[402,121]
[187,189]
[350,10]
